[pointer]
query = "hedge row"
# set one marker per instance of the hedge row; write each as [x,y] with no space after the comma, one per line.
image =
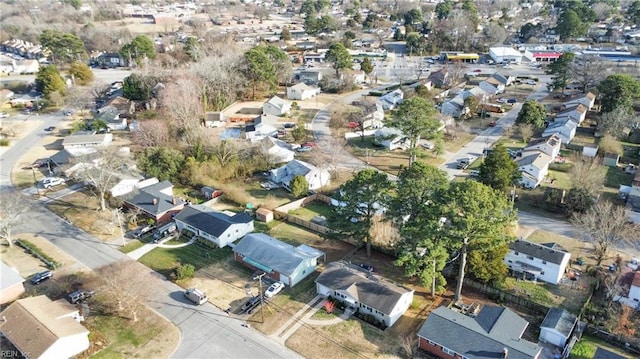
[37,252]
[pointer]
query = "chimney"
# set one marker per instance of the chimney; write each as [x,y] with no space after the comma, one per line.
[173,200]
[505,353]
[155,201]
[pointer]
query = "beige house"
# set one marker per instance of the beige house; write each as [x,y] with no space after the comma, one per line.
[41,328]
[11,286]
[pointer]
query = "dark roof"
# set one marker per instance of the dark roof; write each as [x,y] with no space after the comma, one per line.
[159,191]
[485,336]
[374,291]
[538,251]
[273,254]
[209,220]
[605,354]
[560,320]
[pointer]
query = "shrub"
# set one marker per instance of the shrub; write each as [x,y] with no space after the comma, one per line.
[37,252]
[299,186]
[4,142]
[185,271]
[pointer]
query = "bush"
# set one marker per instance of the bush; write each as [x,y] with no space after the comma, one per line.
[185,271]
[4,142]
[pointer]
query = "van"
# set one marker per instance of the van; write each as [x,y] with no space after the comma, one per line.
[196,296]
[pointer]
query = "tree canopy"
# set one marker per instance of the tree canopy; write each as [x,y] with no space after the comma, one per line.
[366,66]
[618,91]
[49,81]
[499,170]
[138,87]
[569,25]
[561,71]
[339,57]
[633,12]
[532,112]
[64,47]
[259,69]
[139,48]
[81,73]
[161,162]
[299,186]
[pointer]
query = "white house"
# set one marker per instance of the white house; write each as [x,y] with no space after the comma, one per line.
[557,326]
[302,91]
[545,262]
[220,228]
[262,126]
[534,166]
[11,284]
[276,151]
[78,141]
[276,106]
[633,298]
[491,86]
[505,54]
[111,116]
[41,328]
[588,100]
[565,129]
[391,139]
[576,113]
[550,146]
[316,177]
[454,107]
[392,99]
[364,292]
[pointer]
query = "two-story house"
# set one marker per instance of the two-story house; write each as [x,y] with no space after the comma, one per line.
[534,166]
[576,113]
[550,146]
[533,261]
[564,128]
[362,291]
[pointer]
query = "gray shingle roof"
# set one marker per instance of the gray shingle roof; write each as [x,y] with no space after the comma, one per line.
[209,220]
[374,291]
[605,354]
[539,251]
[272,253]
[144,199]
[560,320]
[485,336]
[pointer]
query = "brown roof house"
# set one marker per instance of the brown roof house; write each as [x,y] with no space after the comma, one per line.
[41,328]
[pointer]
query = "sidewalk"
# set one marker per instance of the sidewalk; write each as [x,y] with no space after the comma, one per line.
[136,254]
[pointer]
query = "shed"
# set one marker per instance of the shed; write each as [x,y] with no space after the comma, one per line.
[557,326]
[264,215]
[590,150]
[210,193]
[611,159]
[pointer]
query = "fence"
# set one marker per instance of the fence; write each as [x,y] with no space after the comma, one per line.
[507,297]
[617,340]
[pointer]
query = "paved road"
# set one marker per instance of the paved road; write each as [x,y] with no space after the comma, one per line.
[206,331]
[100,75]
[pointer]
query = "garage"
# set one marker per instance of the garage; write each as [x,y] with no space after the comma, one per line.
[557,327]
[505,54]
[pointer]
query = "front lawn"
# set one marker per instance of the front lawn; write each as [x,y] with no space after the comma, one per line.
[165,260]
[616,177]
[309,211]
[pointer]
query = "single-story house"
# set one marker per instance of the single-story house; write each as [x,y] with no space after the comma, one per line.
[82,140]
[391,139]
[633,298]
[302,91]
[110,59]
[392,99]
[557,326]
[276,106]
[220,228]
[156,201]
[565,129]
[588,100]
[454,107]
[534,166]
[316,177]
[576,113]
[276,151]
[261,126]
[364,292]
[281,261]
[11,284]
[41,328]
[550,146]
[545,262]
[310,77]
[496,332]
[491,86]
[441,78]
[125,185]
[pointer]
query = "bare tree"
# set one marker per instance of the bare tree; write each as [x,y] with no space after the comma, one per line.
[221,81]
[587,173]
[101,170]
[588,71]
[152,133]
[494,33]
[99,90]
[76,97]
[224,151]
[127,284]
[526,131]
[616,123]
[605,225]
[14,205]
[181,100]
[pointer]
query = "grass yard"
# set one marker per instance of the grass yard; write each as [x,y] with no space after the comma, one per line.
[587,346]
[311,210]
[616,177]
[131,246]
[378,157]
[165,260]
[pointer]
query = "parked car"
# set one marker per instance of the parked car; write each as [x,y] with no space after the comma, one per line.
[274,289]
[196,296]
[52,181]
[365,266]
[50,128]
[4,115]
[428,145]
[289,125]
[304,149]
[138,233]
[67,113]
[512,100]
[41,277]
[530,82]
[79,295]
[492,124]
[501,100]
[250,305]
[474,173]
[477,70]
[164,231]
[308,144]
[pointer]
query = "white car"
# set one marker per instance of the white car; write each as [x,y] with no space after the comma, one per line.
[3,114]
[52,181]
[501,100]
[428,145]
[530,82]
[274,289]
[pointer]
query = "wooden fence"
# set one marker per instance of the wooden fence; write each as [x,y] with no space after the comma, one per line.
[502,295]
[617,340]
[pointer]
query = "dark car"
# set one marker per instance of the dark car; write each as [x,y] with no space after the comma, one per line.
[289,125]
[250,305]
[41,277]
[50,128]
[79,296]
[367,267]
[512,100]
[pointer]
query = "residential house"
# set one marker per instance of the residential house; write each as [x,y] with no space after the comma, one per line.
[564,128]
[371,114]
[41,328]
[391,139]
[364,292]
[214,119]
[588,100]
[156,201]
[557,326]
[220,228]
[392,99]
[281,261]
[633,298]
[25,49]
[491,86]
[310,77]
[495,332]
[359,77]
[124,107]
[5,96]
[454,107]
[533,261]
[11,284]
[534,166]
[276,106]
[128,184]
[110,60]
[261,127]
[25,66]
[633,201]
[441,78]
[316,177]
[302,91]
[276,151]
[550,146]
[111,116]
[83,141]
[576,113]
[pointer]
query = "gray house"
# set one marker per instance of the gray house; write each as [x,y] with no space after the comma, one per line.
[217,227]
[281,261]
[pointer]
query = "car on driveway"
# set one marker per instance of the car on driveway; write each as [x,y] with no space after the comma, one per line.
[251,304]
[79,296]
[501,100]
[274,289]
[52,181]
[477,70]
[365,266]
[50,128]
[41,277]
[530,82]
[428,145]
[308,144]
[304,149]
[492,124]
[512,100]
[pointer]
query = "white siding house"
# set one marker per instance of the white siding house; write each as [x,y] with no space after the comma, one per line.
[276,106]
[537,261]
[534,166]
[217,227]
[363,292]
[302,91]
[550,146]
[565,129]
[316,177]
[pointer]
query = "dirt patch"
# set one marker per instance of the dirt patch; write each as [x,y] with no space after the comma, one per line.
[26,264]
[224,284]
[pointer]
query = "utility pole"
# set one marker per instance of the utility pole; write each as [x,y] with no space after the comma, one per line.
[259,278]
[120,225]
[35,180]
